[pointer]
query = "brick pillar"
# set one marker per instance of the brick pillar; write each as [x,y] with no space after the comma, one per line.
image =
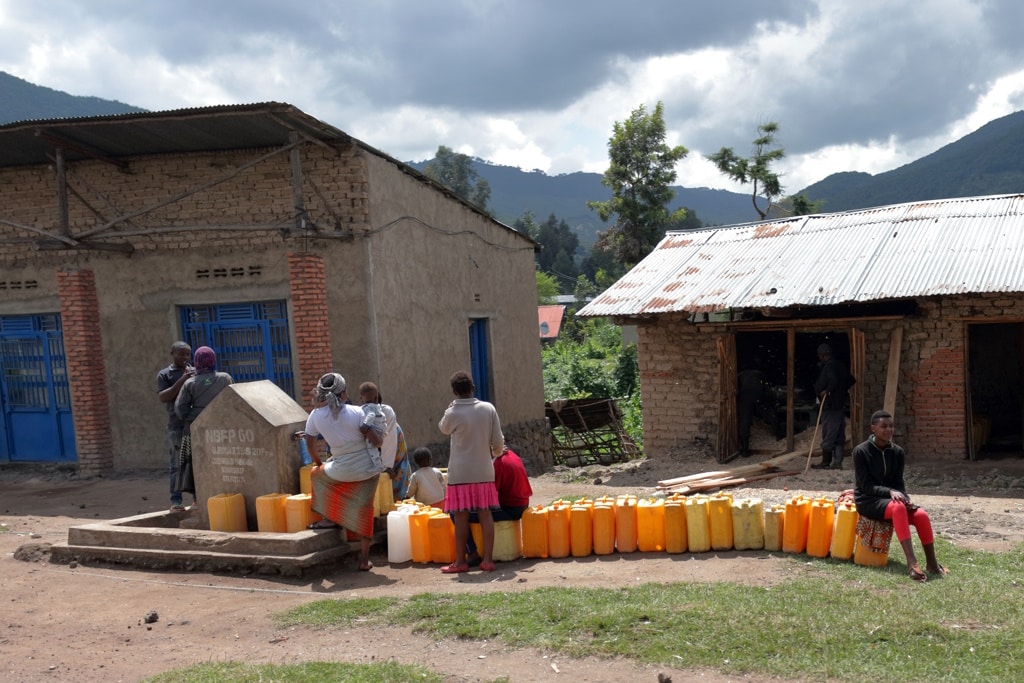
[306,274]
[939,405]
[87,376]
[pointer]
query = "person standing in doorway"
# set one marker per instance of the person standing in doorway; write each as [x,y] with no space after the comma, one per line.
[750,391]
[169,382]
[833,389]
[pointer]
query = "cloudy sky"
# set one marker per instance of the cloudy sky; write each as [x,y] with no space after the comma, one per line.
[865,85]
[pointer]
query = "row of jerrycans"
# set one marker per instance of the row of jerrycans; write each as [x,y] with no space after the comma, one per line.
[819,527]
[627,524]
[695,523]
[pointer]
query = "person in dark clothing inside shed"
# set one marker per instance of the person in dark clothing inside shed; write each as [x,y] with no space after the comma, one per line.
[750,391]
[832,388]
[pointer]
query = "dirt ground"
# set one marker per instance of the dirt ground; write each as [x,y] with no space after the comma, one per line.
[89,623]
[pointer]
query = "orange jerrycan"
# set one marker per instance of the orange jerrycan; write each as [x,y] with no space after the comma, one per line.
[698,524]
[774,526]
[720,519]
[272,513]
[419,536]
[558,530]
[863,553]
[650,525]
[748,524]
[305,482]
[441,530]
[298,512]
[535,532]
[604,528]
[844,531]
[819,527]
[581,530]
[625,524]
[675,526]
[794,537]
[227,512]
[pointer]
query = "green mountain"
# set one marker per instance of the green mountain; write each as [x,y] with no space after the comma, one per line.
[514,191]
[988,161]
[24,101]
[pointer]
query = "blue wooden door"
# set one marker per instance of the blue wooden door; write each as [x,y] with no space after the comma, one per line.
[34,395]
[251,340]
[480,358]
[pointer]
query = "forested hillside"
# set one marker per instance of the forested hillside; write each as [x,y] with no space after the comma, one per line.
[514,191]
[988,161]
[24,101]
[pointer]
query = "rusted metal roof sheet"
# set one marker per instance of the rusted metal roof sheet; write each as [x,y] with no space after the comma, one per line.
[933,248]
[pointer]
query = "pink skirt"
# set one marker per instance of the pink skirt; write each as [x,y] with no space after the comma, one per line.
[470,497]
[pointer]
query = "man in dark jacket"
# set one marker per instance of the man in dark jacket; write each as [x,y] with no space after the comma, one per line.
[832,388]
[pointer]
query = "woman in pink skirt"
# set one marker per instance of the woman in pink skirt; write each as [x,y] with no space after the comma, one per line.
[476,438]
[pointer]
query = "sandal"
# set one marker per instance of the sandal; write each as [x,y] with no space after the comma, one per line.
[365,567]
[917,575]
[487,566]
[178,508]
[454,568]
[323,524]
[939,571]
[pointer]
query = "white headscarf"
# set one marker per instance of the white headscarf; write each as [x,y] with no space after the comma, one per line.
[329,390]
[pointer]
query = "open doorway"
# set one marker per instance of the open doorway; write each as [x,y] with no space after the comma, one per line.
[780,367]
[995,368]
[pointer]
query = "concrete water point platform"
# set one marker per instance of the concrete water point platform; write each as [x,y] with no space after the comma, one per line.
[163,540]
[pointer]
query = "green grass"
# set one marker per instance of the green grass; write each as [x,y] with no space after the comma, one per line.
[833,620]
[312,672]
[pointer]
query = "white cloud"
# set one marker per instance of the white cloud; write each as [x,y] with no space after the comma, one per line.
[861,86]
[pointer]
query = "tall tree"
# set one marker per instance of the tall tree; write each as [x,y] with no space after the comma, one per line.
[802,206]
[558,251]
[455,171]
[640,174]
[757,169]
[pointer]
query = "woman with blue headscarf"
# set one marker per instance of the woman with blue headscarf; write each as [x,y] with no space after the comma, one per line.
[197,393]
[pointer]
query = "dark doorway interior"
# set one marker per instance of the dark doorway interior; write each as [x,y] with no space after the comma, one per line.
[767,352]
[996,387]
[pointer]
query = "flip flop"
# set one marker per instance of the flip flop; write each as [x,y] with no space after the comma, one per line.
[455,568]
[366,567]
[487,566]
[917,575]
[323,524]
[941,571]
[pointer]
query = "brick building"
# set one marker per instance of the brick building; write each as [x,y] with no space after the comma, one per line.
[924,301]
[285,244]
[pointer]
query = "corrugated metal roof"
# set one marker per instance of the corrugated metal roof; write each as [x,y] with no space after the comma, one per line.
[550,320]
[242,126]
[200,129]
[941,247]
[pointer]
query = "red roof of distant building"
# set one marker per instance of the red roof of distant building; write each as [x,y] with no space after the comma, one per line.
[550,319]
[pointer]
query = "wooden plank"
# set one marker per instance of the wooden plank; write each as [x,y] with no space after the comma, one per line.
[696,487]
[892,377]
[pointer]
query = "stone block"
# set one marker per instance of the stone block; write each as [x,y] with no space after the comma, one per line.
[242,443]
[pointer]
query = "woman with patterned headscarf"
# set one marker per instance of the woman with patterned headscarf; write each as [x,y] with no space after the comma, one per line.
[345,486]
[197,393]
